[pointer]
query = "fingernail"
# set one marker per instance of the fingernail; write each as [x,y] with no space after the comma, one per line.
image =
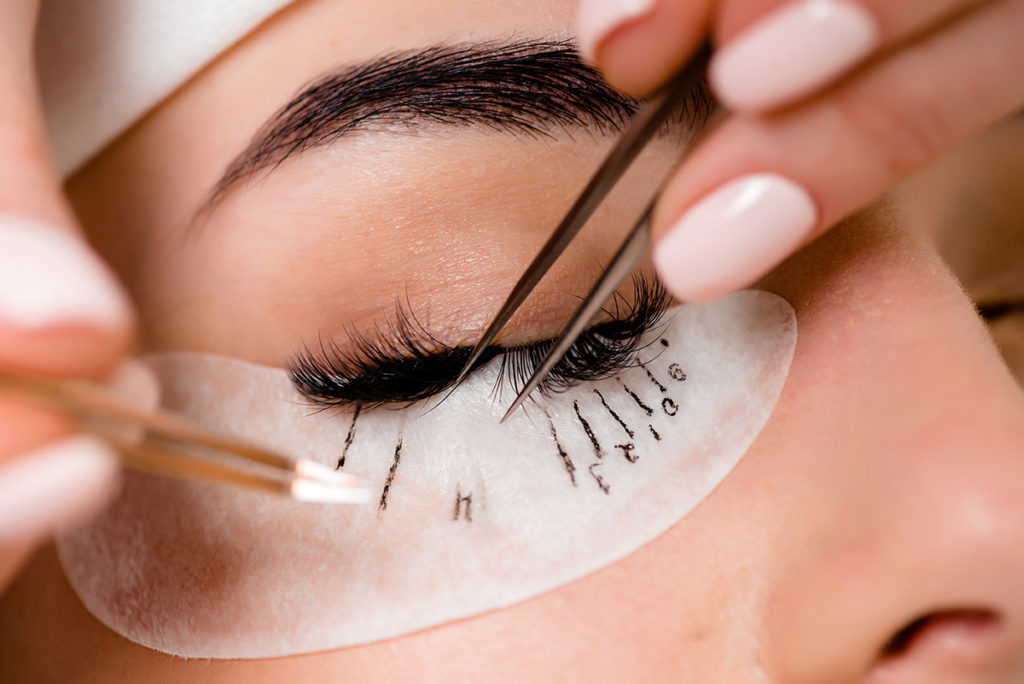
[49,277]
[50,488]
[792,52]
[598,18]
[734,235]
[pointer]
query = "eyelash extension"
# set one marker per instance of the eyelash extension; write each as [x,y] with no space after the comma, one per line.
[402,363]
[602,351]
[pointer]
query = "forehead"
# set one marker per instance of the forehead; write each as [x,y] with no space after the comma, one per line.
[212,116]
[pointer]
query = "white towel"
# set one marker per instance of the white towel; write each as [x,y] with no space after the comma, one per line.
[103,64]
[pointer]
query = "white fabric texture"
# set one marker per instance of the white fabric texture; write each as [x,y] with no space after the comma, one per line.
[103,64]
[467,515]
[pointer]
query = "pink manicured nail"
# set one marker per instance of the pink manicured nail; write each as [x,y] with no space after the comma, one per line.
[598,18]
[49,277]
[54,486]
[734,235]
[792,52]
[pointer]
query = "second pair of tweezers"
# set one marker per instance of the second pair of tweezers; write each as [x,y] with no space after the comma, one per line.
[649,119]
[164,443]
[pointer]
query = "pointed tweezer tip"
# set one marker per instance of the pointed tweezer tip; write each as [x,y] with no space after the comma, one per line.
[474,355]
[312,470]
[515,405]
[317,483]
[314,491]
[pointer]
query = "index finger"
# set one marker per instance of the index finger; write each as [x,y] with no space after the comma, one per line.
[28,183]
[639,44]
[62,311]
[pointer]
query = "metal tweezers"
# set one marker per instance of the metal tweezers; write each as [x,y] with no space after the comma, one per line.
[164,443]
[648,121]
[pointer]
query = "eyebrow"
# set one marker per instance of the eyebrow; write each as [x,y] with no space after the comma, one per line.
[533,88]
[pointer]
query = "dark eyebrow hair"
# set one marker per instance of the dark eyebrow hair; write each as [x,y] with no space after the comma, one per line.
[532,88]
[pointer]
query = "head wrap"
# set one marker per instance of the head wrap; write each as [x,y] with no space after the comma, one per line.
[103,64]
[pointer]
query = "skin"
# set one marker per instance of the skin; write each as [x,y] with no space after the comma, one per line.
[887,485]
[977,184]
[30,187]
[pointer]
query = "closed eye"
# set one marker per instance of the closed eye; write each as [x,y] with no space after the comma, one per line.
[403,363]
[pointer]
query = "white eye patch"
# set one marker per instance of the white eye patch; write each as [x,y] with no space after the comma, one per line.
[467,516]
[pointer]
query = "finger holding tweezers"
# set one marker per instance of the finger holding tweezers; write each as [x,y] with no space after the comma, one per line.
[171,445]
[645,125]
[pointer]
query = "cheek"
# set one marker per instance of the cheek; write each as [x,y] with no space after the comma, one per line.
[469,515]
[901,436]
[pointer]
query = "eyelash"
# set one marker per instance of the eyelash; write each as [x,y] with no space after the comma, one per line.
[402,363]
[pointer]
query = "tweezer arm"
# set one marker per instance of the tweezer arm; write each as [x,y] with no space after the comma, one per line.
[647,122]
[622,263]
[164,443]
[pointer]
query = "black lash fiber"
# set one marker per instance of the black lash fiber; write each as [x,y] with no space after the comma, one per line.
[402,363]
[600,352]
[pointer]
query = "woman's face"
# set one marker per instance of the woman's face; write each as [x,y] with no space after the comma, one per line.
[872,530]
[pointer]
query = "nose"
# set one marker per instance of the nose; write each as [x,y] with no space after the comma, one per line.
[944,600]
[915,572]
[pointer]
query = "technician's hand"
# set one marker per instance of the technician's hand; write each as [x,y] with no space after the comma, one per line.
[834,101]
[62,314]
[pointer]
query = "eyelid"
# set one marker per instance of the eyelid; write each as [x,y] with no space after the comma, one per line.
[404,363]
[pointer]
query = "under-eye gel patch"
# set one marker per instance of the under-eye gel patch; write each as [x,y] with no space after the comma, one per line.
[467,515]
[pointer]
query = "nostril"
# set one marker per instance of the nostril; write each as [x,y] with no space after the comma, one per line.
[969,631]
